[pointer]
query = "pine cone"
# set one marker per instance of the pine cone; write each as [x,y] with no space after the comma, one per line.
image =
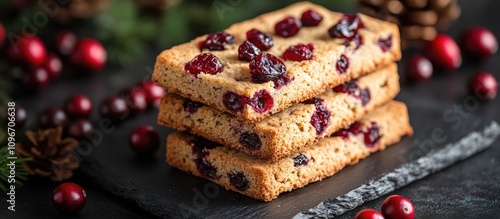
[418,19]
[51,155]
[80,9]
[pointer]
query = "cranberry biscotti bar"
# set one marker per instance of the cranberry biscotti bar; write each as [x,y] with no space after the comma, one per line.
[288,131]
[264,65]
[265,180]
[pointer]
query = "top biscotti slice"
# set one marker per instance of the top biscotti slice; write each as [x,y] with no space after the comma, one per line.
[341,47]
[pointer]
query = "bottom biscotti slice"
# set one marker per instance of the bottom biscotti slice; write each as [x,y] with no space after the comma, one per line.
[265,180]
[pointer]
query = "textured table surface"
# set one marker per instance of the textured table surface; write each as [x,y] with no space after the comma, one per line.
[468,189]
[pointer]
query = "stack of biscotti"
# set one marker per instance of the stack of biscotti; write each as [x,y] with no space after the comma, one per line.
[282,100]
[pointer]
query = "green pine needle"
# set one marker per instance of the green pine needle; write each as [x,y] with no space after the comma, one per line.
[21,174]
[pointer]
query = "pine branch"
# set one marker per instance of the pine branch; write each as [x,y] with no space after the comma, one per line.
[21,174]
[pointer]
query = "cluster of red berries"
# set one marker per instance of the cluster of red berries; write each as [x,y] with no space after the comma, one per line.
[78,108]
[39,65]
[394,207]
[477,43]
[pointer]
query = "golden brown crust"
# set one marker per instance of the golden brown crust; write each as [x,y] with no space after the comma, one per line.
[267,179]
[311,77]
[285,132]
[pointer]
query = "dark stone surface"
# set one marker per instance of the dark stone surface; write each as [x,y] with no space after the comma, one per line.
[469,189]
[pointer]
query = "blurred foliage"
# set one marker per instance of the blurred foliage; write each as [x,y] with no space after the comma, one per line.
[127,31]
[21,174]
[192,18]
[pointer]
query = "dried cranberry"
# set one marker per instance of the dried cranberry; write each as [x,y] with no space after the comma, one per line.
[206,168]
[347,27]
[385,44]
[288,27]
[250,141]
[342,64]
[372,135]
[320,118]
[261,101]
[266,67]
[238,180]
[352,88]
[247,51]
[206,63]
[234,101]
[199,145]
[282,81]
[191,106]
[311,18]
[263,41]
[299,52]
[365,96]
[353,129]
[217,41]
[300,160]
[357,39]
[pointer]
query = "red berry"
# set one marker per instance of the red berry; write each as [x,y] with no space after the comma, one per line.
[419,67]
[288,27]
[154,93]
[36,78]
[53,65]
[114,108]
[247,51]
[78,106]
[263,41]
[69,198]
[206,63]
[479,42]
[29,49]
[217,41]
[65,41]
[89,55]
[299,52]
[311,18]
[80,129]
[347,27]
[144,140]
[444,52]
[397,207]
[266,67]
[369,214]
[484,85]
[2,34]
[136,99]
[20,117]
[52,118]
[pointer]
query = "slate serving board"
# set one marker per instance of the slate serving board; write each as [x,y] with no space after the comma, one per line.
[166,191]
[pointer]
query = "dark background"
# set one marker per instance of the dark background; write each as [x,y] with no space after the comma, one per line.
[469,189]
